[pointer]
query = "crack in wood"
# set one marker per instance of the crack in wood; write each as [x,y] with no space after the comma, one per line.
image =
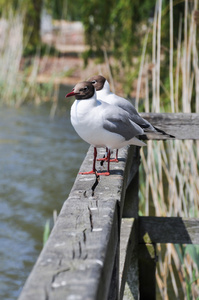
[73,254]
[85,256]
[46,293]
[60,262]
[97,179]
[57,274]
[102,162]
[90,218]
[84,236]
[80,249]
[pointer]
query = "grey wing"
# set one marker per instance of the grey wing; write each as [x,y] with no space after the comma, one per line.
[121,124]
[134,115]
[136,118]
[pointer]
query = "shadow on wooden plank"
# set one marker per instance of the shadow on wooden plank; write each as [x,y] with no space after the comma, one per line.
[173,230]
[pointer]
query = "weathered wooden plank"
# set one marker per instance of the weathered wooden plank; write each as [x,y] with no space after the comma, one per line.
[114,286]
[130,210]
[147,269]
[131,203]
[127,244]
[174,230]
[181,125]
[78,260]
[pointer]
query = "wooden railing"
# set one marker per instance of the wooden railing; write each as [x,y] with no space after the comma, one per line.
[99,246]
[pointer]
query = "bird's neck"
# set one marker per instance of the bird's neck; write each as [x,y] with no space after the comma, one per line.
[83,107]
[104,91]
[91,102]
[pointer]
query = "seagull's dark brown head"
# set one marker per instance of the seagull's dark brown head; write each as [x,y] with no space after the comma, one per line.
[82,90]
[97,81]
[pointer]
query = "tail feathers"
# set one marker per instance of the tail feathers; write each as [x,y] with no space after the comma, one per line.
[164,133]
[137,142]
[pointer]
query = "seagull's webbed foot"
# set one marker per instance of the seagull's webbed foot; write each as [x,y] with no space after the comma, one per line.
[114,160]
[103,174]
[87,173]
[102,159]
[96,173]
[106,159]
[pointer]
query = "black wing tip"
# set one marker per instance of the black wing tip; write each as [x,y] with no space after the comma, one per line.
[164,133]
[144,126]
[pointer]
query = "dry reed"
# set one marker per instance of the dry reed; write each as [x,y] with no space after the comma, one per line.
[171,168]
[16,85]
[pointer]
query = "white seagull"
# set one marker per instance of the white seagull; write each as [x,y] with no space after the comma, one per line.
[101,124]
[103,92]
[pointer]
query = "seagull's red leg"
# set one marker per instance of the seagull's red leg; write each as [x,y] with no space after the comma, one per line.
[94,162]
[108,167]
[116,157]
[105,157]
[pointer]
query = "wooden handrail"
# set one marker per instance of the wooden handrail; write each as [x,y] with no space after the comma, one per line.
[99,242]
[80,258]
[184,126]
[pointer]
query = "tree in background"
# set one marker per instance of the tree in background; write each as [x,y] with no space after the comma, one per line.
[114,26]
[120,27]
[32,24]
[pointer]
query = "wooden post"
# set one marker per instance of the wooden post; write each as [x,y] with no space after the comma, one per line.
[141,281]
[130,210]
[147,268]
[114,286]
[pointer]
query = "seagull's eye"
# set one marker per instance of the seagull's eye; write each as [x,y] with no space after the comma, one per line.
[83,89]
[94,81]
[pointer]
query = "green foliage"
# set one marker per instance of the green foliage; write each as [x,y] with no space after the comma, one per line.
[7,5]
[114,25]
[32,25]
[61,9]
[193,251]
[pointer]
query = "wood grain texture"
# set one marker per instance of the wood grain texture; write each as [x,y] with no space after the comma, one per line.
[130,271]
[174,230]
[78,259]
[181,125]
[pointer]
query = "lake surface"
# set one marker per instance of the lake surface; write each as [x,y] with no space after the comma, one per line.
[39,160]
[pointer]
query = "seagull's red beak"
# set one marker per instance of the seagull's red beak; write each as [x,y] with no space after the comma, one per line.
[71,94]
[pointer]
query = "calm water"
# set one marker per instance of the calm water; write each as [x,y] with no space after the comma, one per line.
[39,159]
